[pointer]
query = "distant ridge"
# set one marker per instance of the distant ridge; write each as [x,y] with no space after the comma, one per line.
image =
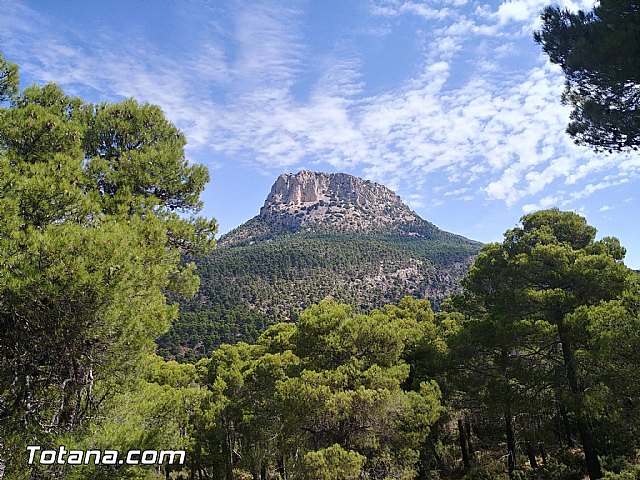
[317,235]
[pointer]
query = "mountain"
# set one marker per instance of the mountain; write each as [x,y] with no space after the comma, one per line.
[332,203]
[317,235]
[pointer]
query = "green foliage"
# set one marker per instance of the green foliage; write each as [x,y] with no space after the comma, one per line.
[607,341]
[551,323]
[598,52]
[8,79]
[90,244]
[148,415]
[329,388]
[247,288]
[332,463]
[631,472]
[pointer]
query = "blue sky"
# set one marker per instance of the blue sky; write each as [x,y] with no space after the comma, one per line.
[448,102]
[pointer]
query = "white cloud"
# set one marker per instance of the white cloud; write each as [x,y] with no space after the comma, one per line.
[545,202]
[474,124]
[591,188]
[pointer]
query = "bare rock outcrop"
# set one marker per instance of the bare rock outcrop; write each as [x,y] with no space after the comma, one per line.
[330,202]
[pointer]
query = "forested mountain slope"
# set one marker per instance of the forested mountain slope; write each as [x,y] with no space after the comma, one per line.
[317,235]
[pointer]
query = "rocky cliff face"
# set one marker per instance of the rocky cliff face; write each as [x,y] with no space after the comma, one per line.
[330,202]
[335,201]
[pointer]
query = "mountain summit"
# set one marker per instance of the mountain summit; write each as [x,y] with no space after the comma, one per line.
[331,202]
[334,200]
[317,235]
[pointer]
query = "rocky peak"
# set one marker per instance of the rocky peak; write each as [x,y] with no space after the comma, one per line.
[311,187]
[330,202]
[336,201]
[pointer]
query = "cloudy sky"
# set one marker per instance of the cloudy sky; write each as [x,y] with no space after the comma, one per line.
[448,102]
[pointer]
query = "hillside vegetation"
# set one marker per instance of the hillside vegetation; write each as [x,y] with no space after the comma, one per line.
[245,289]
[291,256]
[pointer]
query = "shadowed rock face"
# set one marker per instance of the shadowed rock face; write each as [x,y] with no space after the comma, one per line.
[331,202]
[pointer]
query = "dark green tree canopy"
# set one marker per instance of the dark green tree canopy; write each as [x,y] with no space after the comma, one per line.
[97,204]
[598,52]
[519,298]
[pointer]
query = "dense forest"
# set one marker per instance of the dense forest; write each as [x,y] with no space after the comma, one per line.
[528,372]
[246,288]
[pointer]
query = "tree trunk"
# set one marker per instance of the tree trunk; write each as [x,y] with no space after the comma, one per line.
[230,445]
[588,443]
[543,454]
[511,442]
[463,445]
[531,453]
[281,468]
[566,424]
[508,416]
[590,452]
[467,428]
